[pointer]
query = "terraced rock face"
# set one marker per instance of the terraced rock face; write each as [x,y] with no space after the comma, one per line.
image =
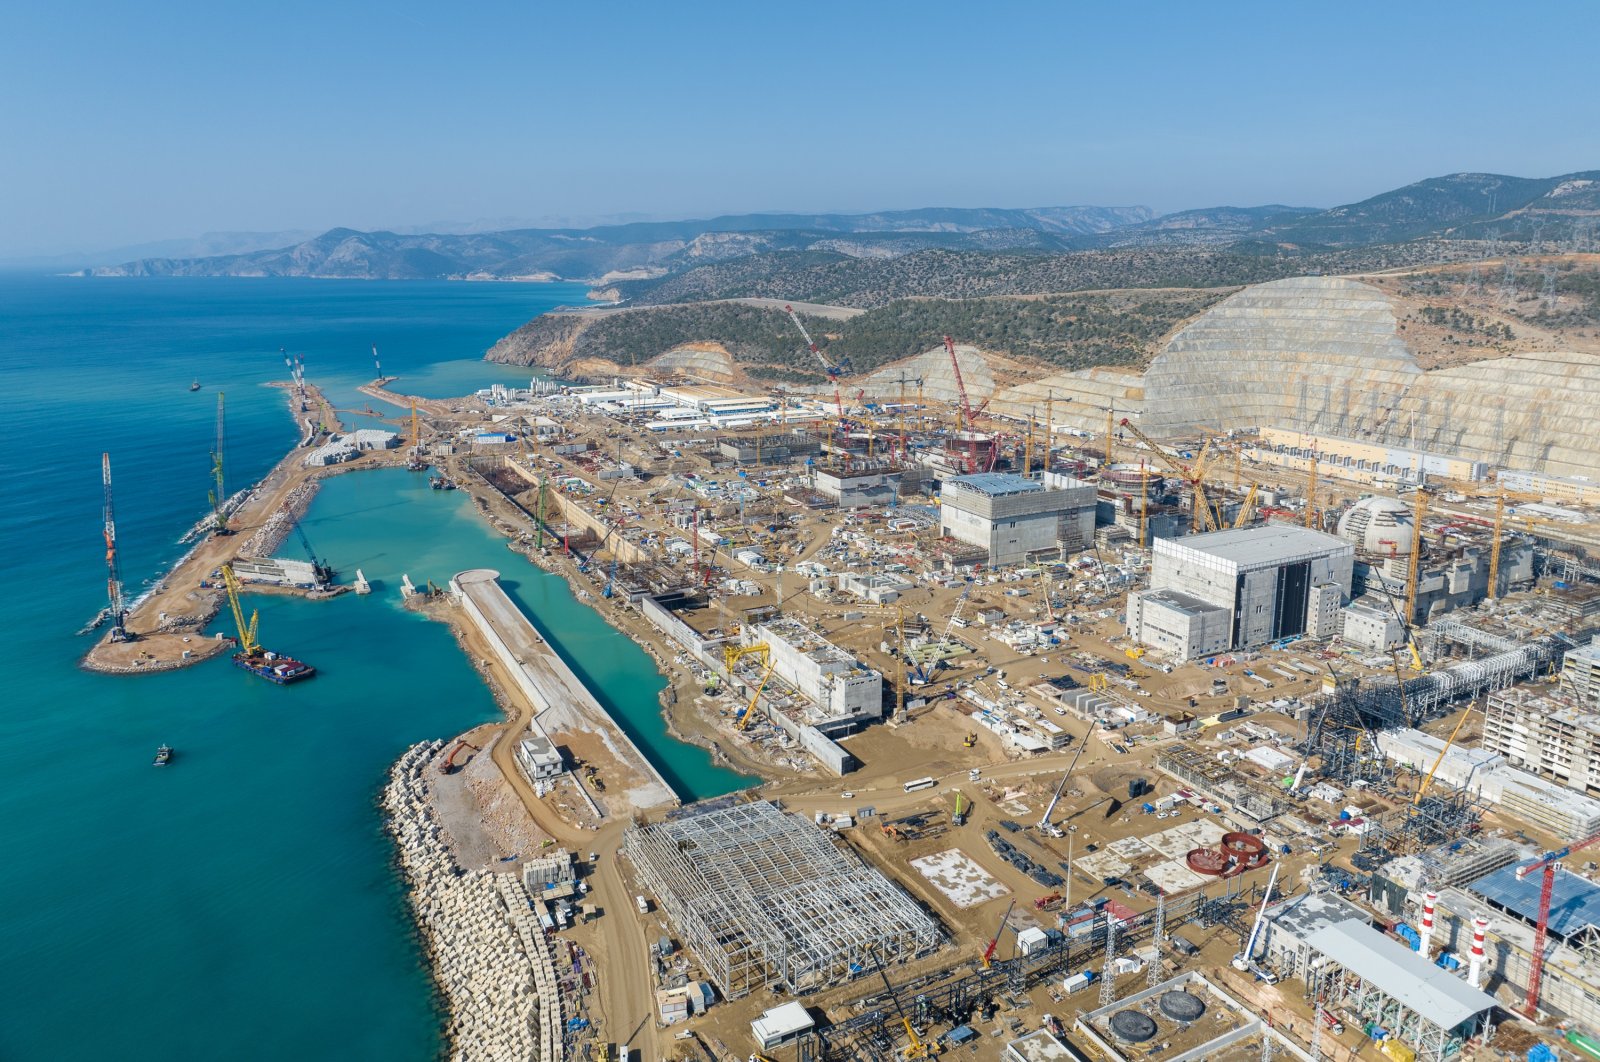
[1322,355]
[1265,355]
[1536,411]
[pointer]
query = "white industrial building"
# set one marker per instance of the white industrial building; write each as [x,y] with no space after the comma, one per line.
[833,680]
[1267,583]
[1018,519]
[537,755]
[276,571]
[1580,673]
[1288,926]
[1372,628]
[1177,625]
[877,588]
[1432,1011]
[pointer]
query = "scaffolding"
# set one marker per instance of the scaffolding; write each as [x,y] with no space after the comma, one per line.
[1345,720]
[763,897]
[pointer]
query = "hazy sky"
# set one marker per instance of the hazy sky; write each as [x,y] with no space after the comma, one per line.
[122,122]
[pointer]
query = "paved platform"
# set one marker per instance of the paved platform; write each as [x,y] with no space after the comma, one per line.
[561,702]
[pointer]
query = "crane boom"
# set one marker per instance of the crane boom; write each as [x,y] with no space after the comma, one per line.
[247,631]
[988,953]
[1193,474]
[961,385]
[1044,820]
[219,491]
[114,601]
[828,367]
[1548,863]
[918,1048]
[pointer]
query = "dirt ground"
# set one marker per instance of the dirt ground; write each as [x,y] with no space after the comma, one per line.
[168,626]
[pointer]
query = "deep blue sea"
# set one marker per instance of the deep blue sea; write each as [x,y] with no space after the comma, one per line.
[240,904]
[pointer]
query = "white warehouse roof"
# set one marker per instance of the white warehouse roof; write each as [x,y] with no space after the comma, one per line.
[1441,997]
[780,1023]
[1257,547]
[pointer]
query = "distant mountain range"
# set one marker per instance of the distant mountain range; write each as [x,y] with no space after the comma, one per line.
[1462,206]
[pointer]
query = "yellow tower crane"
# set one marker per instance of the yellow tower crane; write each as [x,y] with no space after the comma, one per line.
[750,709]
[1311,489]
[1247,509]
[1194,475]
[1419,510]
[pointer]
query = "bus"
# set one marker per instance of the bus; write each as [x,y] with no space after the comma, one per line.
[921,783]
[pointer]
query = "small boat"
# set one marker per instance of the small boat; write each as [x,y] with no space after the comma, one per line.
[163,756]
[195,386]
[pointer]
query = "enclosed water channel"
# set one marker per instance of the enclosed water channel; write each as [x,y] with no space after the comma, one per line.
[389,523]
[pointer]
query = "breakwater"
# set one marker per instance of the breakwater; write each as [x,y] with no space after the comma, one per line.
[491,961]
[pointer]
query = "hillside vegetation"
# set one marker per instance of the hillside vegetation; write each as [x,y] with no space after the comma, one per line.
[1070,331]
[863,282]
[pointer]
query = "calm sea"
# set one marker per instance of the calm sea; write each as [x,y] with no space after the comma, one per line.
[240,904]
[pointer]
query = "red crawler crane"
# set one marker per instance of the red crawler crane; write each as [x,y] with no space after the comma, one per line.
[1548,863]
[968,416]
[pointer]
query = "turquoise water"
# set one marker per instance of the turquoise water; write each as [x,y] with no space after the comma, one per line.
[241,903]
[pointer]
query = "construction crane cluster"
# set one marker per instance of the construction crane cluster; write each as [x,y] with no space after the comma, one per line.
[116,607]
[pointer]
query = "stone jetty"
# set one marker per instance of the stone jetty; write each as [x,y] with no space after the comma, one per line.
[491,959]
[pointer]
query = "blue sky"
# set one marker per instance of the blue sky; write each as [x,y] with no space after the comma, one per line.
[126,122]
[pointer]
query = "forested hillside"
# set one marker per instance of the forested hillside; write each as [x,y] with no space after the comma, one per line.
[1069,331]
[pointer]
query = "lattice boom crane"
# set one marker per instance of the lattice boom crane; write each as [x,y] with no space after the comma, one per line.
[118,609]
[1548,863]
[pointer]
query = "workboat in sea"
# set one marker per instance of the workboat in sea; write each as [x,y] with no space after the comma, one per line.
[163,755]
[195,386]
[273,667]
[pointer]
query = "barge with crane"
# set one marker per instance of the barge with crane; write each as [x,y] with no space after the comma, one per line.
[251,657]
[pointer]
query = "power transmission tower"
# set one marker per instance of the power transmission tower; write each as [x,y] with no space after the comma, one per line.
[1152,975]
[1549,294]
[1508,283]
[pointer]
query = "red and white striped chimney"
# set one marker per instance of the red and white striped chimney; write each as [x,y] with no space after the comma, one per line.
[1480,926]
[1428,901]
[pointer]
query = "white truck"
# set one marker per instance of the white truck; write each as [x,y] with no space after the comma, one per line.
[642,903]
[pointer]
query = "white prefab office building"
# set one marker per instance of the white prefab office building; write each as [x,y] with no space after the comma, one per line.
[1017,519]
[1272,582]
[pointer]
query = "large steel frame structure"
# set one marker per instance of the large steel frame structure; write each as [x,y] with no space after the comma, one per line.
[763,897]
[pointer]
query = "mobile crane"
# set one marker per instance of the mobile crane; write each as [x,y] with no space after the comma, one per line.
[919,1047]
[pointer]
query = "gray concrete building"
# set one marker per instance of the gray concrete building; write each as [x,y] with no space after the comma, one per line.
[1264,577]
[1018,519]
[1178,625]
[833,680]
[1580,673]
[852,487]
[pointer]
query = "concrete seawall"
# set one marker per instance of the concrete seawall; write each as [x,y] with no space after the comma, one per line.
[561,702]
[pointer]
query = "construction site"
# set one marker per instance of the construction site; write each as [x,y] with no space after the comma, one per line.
[1061,677]
[1276,663]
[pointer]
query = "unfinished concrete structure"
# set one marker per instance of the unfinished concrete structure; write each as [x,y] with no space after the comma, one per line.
[834,681]
[1551,736]
[763,897]
[1015,519]
[1260,578]
[854,486]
